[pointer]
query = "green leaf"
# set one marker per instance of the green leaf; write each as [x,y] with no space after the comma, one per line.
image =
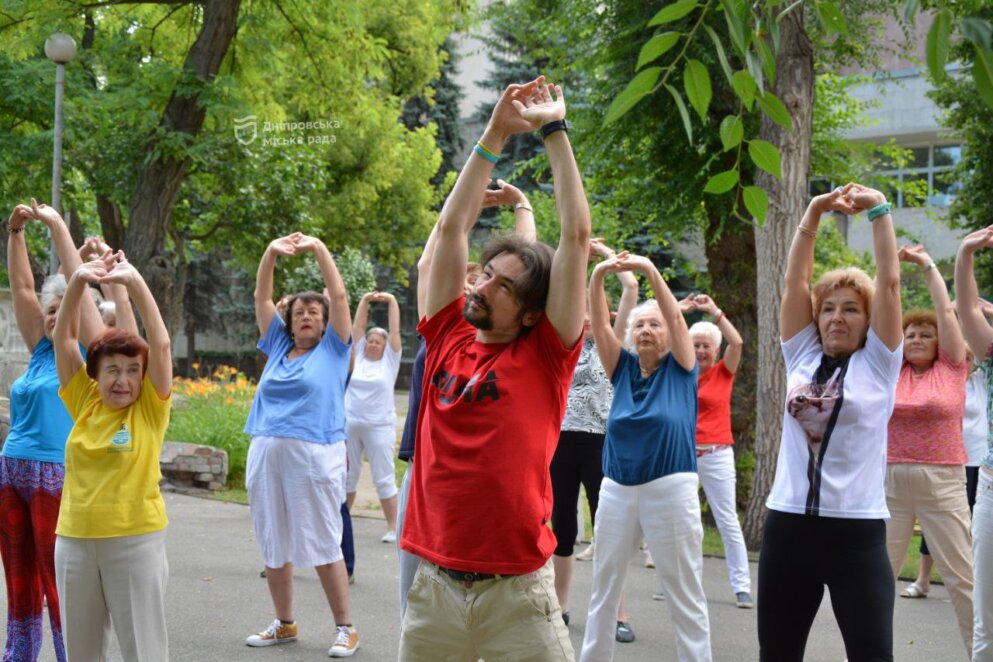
[831,17]
[745,87]
[656,47]
[682,111]
[765,156]
[910,9]
[721,182]
[977,31]
[696,81]
[721,55]
[768,60]
[756,202]
[736,27]
[755,69]
[937,44]
[732,131]
[673,12]
[639,87]
[774,108]
[982,72]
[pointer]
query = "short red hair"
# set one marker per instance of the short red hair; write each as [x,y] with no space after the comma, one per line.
[115,341]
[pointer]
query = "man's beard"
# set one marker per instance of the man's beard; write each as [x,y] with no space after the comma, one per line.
[479,317]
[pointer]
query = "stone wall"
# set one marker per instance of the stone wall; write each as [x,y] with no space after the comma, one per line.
[193,466]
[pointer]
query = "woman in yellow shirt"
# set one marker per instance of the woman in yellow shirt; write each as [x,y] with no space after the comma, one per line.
[110,561]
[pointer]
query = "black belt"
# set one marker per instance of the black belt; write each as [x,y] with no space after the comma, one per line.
[465,576]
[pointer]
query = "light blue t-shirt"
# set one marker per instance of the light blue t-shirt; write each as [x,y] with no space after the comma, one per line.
[651,429]
[39,422]
[302,398]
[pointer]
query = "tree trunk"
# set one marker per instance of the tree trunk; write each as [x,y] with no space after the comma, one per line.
[787,201]
[150,214]
[730,251]
[111,223]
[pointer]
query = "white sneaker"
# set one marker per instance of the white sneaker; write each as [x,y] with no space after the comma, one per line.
[389,536]
[649,562]
[586,554]
[346,642]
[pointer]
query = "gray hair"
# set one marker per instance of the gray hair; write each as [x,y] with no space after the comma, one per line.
[707,329]
[380,330]
[53,288]
[636,312]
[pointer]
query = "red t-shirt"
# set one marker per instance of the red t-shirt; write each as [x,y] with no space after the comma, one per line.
[481,494]
[713,420]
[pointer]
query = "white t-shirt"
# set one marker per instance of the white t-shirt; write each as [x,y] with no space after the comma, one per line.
[369,397]
[832,458]
[975,423]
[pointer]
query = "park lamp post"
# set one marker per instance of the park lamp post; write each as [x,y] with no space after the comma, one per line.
[60,48]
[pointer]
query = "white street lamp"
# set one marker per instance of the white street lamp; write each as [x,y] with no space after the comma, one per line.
[60,48]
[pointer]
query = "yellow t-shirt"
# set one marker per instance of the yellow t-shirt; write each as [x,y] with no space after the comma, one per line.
[112,463]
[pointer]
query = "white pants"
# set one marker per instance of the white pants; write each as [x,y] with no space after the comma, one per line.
[378,441]
[982,567]
[408,561]
[717,473]
[121,579]
[667,512]
[295,491]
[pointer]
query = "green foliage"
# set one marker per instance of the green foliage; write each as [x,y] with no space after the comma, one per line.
[357,272]
[831,252]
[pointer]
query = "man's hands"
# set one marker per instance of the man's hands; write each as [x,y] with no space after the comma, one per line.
[541,106]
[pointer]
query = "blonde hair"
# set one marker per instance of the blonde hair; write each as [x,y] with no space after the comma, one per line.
[851,277]
[708,329]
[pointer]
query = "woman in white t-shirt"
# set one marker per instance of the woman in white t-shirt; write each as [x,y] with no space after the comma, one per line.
[370,415]
[827,509]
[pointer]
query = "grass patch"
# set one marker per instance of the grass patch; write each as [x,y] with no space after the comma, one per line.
[232,495]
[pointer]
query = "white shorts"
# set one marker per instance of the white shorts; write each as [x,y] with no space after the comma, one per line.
[378,440]
[295,490]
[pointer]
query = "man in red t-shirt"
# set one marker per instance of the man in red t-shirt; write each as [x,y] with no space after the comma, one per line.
[498,366]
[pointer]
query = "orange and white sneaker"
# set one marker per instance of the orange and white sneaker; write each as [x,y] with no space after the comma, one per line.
[346,642]
[277,633]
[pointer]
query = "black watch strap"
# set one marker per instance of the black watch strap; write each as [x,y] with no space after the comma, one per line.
[552,127]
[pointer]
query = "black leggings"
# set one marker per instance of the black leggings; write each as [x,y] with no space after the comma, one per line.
[800,556]
[578,459]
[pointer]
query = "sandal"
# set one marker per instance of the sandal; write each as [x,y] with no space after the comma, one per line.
[913,590]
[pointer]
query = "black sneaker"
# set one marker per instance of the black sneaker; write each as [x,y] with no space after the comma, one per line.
[565,617]
[624,633]
[743,600]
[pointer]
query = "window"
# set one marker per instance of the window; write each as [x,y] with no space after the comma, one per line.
[928,177]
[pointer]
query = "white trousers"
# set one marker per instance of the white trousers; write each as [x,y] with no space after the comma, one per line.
[119,579]
[667,512]
[717,474]
[982,567]
[378,441]
[408,561]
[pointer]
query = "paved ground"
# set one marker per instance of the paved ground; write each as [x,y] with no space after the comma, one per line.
[216,599]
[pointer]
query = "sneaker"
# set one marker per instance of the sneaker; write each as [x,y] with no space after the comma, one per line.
[351,578]
[389,536]
[345,643]
[658,596]
[586,554]
[624,633]
[743,600]
[649,561]
[565,618]
[277,633]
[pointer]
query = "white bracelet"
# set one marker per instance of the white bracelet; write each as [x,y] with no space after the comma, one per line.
[523,205]
[929,265]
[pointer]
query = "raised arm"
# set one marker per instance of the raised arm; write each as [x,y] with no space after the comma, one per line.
[265,309]
[680,343]
[886,316]
[568,277]
[629,288]
[608,345]
[90,323]
[949,332]
[508,194]
[341,316]
[65,336]
[159,366]
[796,310]
[977,330]
[451,248]
[394,319]
[424,272]
[92,249]
[361,316]
[28,314]
[732,353]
